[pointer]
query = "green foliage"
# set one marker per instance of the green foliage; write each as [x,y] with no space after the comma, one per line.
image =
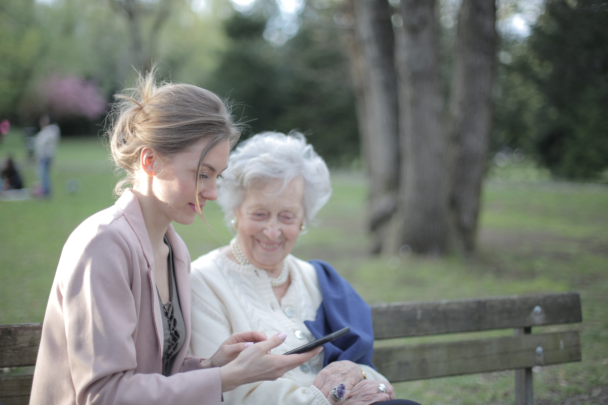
[90,39]
[516,104]
[21,47]
[555,95]
[303,84]
[569,44]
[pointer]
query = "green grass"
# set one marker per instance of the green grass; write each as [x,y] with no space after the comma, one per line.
[535,236]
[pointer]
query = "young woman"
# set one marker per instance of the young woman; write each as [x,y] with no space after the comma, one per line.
[117,326]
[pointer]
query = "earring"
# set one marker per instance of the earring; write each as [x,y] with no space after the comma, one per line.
[302,227]
[234,222]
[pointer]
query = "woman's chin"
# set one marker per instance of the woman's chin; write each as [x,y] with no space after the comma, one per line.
[185,219]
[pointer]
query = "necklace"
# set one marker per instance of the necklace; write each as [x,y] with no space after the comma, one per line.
[242,260]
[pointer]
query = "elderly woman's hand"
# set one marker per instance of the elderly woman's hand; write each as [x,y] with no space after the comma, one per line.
[345,372]
[230,349]
[367,392]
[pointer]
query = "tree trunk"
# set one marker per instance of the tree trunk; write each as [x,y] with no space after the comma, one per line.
[470,117]
[376,91]
[143,51]
[161,15]
[423,192]
[132,11]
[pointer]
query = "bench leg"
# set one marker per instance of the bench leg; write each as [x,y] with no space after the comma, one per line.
[524,392]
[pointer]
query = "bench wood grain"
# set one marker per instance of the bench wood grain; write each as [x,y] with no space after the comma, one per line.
[418,362]
[407,319]
[15,390]
[19,344]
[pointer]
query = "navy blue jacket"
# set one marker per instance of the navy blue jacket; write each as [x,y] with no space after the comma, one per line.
[342,307]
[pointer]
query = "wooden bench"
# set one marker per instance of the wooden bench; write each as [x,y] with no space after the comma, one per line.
[521,352]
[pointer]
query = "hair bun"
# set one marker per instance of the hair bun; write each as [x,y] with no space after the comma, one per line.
[167,118]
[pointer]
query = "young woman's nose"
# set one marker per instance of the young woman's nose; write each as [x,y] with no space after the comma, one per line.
[209,192]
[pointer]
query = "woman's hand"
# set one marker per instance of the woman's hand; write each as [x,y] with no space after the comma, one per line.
[255,364]
[344,371]
[231,348]
[366,392]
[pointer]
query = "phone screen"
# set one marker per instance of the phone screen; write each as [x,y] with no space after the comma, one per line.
[321,341]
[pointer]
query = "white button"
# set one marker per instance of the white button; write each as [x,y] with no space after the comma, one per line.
[290,311]
[305,369]
[299,334]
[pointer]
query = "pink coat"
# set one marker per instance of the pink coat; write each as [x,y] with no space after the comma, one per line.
[102,331]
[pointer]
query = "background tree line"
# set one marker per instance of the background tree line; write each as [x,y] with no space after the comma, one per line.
[553,90]
[412,89]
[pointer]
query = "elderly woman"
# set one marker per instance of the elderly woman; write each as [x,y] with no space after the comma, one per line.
[273,187]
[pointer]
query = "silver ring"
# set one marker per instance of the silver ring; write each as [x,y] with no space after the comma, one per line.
[381,388]
[338,391]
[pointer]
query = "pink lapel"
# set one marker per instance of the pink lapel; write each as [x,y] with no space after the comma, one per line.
[129,206]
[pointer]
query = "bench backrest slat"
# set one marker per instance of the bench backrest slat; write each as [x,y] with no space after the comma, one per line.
[19,344]
[15,390]
[469,315]
[417,362]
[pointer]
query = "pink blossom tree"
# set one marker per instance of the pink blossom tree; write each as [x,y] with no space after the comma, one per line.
[4,127]
[71,96]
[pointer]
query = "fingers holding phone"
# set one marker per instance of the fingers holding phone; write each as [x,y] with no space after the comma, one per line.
[231,348]
[255,364]
[320,341]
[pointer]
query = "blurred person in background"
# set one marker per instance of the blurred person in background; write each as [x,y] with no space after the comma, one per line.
[272,189]
[45,147]
[11,179]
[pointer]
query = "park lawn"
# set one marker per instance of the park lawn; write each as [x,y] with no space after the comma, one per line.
[536,236]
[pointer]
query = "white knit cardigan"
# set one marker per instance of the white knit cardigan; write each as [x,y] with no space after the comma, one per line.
[229,298]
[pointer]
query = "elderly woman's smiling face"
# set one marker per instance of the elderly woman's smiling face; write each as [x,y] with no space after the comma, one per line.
[269,221]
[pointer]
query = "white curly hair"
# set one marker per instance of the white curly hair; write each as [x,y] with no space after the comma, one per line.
[274,156]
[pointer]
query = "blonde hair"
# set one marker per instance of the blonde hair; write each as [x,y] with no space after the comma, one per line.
[167,118]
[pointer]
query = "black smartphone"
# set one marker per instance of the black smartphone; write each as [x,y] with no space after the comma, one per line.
[321,341]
